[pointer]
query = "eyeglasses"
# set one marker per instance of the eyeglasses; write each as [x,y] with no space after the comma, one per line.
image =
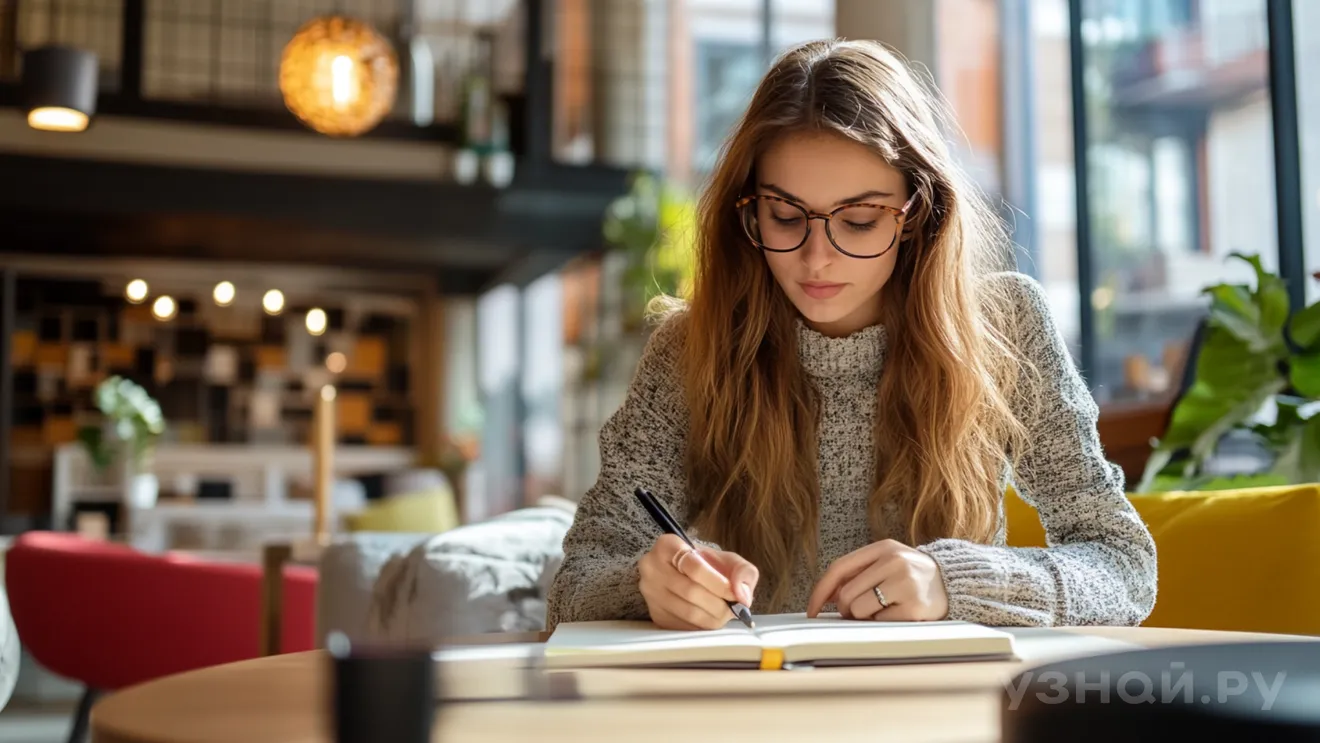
[856,230]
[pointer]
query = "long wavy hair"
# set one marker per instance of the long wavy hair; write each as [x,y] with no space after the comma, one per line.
[944,429]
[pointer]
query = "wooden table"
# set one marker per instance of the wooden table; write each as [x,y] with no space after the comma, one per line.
[282,699]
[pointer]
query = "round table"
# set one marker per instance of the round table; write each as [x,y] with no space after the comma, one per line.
[283,699]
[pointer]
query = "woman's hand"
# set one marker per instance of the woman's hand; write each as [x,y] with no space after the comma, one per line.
[687,589]
[909,580]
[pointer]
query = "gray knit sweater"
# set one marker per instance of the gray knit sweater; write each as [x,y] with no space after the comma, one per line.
[1098,569]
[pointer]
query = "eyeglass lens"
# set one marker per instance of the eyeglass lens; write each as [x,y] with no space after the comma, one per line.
[859,230]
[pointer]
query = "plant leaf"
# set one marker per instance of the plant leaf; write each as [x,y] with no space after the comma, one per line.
[1205,443]
[1304,373]
[1233,309]
[1155,465]
[1269,306]
[1304,328]
[1308,455]
[1227,375]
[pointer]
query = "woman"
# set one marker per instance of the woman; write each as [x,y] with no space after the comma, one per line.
[835,414]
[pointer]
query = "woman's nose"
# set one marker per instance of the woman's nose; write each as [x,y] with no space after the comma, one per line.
[818,252]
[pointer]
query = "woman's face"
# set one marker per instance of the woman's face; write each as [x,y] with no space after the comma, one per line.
[838,294]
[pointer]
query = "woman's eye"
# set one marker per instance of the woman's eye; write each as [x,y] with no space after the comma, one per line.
[787,219]
[860,226]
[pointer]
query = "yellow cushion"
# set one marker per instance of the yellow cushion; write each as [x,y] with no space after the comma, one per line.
[1246,560]
[425,512]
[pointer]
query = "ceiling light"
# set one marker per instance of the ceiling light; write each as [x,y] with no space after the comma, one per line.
[316,321]
[336,362]
[59,88]
[273,302]
[164,307]
[339,76]
[223,294]
[136,291]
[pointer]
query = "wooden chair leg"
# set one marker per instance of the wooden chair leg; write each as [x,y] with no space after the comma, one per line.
[78,734]
[274,557]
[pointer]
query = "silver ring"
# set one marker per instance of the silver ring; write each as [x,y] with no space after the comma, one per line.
[880,596]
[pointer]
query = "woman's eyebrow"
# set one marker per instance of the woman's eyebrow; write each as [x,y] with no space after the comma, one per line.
[850,200]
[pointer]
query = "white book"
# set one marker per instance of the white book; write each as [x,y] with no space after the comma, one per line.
[778,641]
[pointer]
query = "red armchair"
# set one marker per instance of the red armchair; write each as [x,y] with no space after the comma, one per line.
[109,616]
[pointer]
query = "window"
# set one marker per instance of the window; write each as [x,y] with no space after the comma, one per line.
[726,76]
[1306,21]
[1180,165]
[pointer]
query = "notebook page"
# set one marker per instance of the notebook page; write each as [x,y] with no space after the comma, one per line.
[638,642]
[830,637]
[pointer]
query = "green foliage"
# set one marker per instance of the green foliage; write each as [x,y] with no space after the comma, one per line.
[134,417]
[1253,353]
[654,226]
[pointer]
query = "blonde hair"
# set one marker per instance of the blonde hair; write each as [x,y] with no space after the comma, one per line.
[944,424]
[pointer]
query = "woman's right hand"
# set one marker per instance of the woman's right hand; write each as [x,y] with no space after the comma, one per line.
[688,589]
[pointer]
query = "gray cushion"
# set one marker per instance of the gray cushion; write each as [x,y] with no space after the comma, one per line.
[348,570]
[486,577]
[10,651]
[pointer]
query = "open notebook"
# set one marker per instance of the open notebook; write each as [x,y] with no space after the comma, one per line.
[779,641]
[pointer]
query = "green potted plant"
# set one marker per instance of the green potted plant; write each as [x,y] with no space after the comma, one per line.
[653,226]
[1257,377]
[132,423]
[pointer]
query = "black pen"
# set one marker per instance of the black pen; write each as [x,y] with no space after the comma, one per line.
[667,523]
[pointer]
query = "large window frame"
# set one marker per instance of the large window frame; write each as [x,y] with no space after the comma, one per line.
[1282,83]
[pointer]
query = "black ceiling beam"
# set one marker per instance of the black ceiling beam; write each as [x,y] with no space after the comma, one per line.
[558,210]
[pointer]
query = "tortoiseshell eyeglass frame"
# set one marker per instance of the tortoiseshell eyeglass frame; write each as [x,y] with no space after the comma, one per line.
[900,219]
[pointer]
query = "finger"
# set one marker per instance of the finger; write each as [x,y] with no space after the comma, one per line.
[843,570]
[692,604]
[742,575]
[858,594]
[666,619]
[694,567]
[899,611]
[689,591]
[867,605]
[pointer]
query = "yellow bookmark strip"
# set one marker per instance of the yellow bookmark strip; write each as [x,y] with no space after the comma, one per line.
[772,659]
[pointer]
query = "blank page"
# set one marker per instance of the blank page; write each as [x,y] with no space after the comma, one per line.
[830,637]
[634,642]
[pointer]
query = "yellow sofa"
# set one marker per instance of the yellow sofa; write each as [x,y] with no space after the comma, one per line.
[1245,560]
[429,511]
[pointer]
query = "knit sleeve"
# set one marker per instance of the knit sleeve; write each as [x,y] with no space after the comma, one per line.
[641,445]
[1099,565]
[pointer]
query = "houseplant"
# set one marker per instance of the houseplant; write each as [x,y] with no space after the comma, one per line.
[131,425]
[1257,377]
[653,226]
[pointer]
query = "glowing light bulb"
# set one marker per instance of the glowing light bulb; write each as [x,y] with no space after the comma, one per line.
[57,119]
[336,362]
[273,302]
[343,80]
[224,293]
[316,321]
[136,291]
[164,307]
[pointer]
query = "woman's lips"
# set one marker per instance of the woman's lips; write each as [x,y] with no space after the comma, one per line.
[820,290]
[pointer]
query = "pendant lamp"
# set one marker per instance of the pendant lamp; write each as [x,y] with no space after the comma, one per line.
[59,88]
[339,76]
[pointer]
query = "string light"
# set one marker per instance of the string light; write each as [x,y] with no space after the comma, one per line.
[224,293]
[136,291]
[273,302]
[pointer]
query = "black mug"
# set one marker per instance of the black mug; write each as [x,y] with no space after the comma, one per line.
[381,693]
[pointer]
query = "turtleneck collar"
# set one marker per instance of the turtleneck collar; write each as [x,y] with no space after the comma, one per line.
[859,355]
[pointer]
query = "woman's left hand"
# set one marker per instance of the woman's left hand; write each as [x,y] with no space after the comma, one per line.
[909,580]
